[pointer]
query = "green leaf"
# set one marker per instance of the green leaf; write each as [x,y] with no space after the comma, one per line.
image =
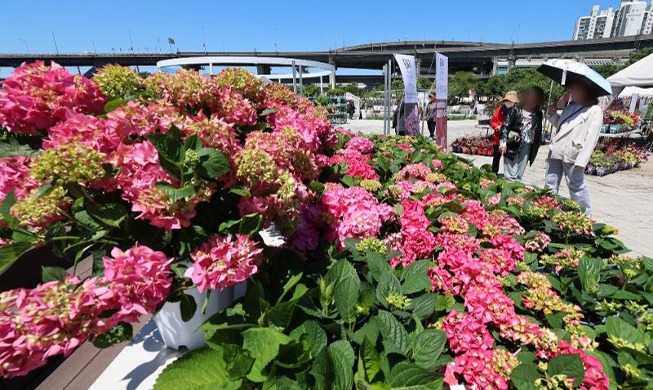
[10,253]
[589,271]
[346,289]
[251,224]
[114,104]
[263,344]
[168,146]
[392,330]
[523,377]
[322,371]
[377,265]
[238,360]
[201,369]
[444,302]
[192,143]
[616,327]
[110,214]
[427,347]
[213,164]
[423,306]
[119,333]
[175,194]
[388,283]
[342,358]
[415,277]
[570,365]
[6,205]
[51,274]
[369,361]
[312,334]
[187,307]
[409,376]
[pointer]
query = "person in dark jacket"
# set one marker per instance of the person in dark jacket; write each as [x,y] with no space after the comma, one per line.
[430,114]
[498,117]
[521,134]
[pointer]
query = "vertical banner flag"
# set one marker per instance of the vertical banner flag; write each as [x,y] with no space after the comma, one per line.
[410,112]
[441,94]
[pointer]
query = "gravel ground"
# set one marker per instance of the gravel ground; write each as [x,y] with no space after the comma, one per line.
[624,199]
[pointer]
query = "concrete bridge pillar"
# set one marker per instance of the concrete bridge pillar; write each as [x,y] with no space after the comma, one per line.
[263,69]
[332,76]
[418,66]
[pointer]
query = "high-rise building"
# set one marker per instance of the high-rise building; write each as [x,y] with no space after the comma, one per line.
[597,25]
[629,18]
[633,17]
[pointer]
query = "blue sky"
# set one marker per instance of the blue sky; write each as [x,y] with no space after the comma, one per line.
[241,25]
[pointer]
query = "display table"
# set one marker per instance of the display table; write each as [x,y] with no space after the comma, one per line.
[139,363]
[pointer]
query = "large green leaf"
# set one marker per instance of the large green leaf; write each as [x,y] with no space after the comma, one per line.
[616,327]
[202,369]
[388,283]
[346,289]
[213,164]
[409,376]
[10,253]
[570,365]
[589,271]
[415,277]
[427,347]
[392,330]
[322,371]
[263,344]
[424,305]
[50,274]
[175,193]
[110,214]
[342,358]
[523,377]
[312,334]
[377,265]
[369,362]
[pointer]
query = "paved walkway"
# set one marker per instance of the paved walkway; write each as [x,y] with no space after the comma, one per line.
[624,199]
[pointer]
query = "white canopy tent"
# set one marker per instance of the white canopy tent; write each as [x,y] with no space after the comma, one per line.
[632,91]
[639,74]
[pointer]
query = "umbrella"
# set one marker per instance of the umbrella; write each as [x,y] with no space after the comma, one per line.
[566,72]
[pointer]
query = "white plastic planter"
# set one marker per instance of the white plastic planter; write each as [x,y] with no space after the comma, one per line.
[177,334]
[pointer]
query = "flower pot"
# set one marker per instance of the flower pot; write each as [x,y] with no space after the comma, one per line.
[590,170]
[176,333]
[601,171]
[605,129]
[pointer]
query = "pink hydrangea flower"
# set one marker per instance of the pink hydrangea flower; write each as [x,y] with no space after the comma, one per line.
[96,133]
[140,279]
[361,145]
[36,96]
[15,176]
[465,333]
[224,262]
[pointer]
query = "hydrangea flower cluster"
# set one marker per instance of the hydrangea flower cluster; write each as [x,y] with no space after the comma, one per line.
[38,96]
[56,317]
[353,213]
[224,262]
[117,81]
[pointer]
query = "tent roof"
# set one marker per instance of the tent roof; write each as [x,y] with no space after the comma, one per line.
[641,92]
[639,74]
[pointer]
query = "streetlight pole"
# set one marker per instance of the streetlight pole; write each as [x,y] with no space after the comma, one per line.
[131,44]
[94,48]
[24,43]
[204,41]
[54,38]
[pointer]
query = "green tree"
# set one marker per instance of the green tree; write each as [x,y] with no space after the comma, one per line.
[311,90]
[639,55]
[424,83]
[461,83]
[494,86]
[607,70]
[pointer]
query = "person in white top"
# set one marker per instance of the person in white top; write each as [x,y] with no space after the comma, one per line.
[578,129]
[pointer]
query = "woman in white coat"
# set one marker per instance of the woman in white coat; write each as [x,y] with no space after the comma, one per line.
[579,127]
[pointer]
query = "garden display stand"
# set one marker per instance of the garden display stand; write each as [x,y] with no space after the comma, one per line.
[176,333]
